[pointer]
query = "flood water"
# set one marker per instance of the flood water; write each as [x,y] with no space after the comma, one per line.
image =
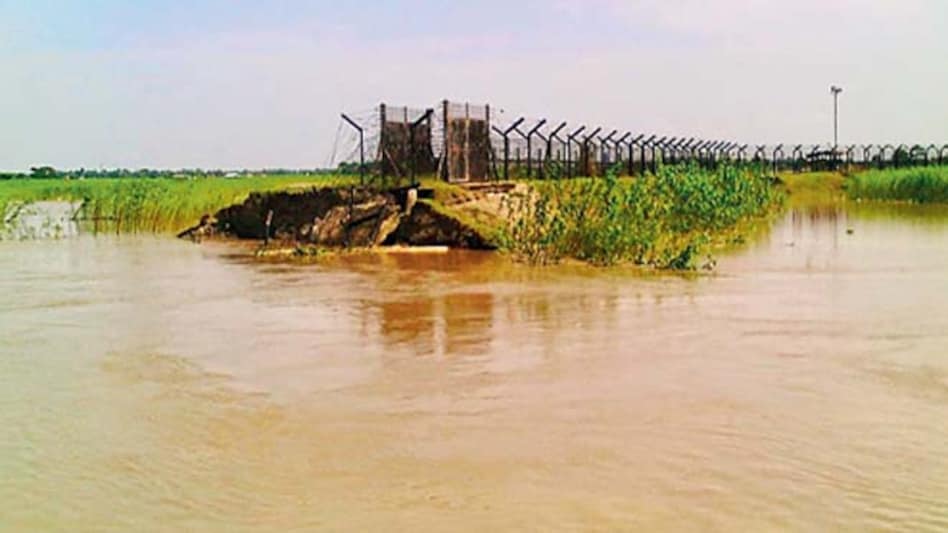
[149,384]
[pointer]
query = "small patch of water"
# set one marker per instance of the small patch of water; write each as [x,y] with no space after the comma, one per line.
[40,220]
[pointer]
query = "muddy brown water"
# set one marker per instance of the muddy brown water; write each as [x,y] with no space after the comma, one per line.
[148,384]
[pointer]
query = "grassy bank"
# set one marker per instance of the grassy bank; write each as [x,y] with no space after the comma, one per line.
[920,184]
[152,204]
[671,220]
[814,188]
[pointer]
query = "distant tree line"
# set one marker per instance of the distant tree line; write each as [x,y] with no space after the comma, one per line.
[352,168]
[48,172]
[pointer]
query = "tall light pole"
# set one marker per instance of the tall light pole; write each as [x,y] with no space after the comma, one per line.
[835,91]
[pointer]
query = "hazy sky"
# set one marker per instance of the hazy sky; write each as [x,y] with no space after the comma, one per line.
[227,84]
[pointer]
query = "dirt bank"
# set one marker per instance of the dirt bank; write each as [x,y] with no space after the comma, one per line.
[354,217]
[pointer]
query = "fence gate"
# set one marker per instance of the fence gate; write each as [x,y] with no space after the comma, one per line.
[405,141]
[467,150]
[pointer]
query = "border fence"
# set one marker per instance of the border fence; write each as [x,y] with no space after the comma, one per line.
[461,142]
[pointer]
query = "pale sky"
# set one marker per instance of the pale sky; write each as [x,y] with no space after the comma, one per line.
[248,84]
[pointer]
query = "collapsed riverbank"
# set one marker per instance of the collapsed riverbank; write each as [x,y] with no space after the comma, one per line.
[672,220]
[350,217]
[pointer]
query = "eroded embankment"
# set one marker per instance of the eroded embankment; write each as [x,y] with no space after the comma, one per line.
[336,217]
[672,220]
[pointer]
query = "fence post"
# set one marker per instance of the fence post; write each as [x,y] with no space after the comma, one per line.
[445,138]
[506,156]
[569,149]
[489,148]
[697,154]
[714,153]
[521,134]
[553,135]
[675,151]
[505,134]
[703,158]
[530,144]
[411,145]
[797,158]
[645,144]
[660,146]
[730,148]
[693,151]
[777,150]
[584,151]
[549,141]
[680,151]
[760,155]
[383,112]
[699,151]
[619,143]
[687,151]
[603,150]
[632,143]
[361,147]
[668,151]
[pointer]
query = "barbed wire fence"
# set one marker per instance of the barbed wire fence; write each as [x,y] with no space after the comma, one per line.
[463,142]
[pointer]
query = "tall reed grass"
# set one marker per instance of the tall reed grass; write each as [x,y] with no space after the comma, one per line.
[668,220]
[152,204]
[919,184]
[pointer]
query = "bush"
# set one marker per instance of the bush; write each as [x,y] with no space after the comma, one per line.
[666,221]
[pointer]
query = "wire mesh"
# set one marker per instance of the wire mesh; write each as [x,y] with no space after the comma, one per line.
[466,141]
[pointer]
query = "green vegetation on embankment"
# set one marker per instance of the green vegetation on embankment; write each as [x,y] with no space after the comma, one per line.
[814,188]
[918,184]
[153,204]
[466,207]
[669,220]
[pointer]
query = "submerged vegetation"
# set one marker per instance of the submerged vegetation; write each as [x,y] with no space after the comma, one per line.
[918,184]
[152,204]
[669,220]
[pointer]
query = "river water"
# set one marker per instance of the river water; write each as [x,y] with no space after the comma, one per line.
[149,384]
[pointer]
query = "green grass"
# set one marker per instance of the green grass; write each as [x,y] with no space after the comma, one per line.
[669,220]
[446,195]
[814,188]
[919,184]
[153,204]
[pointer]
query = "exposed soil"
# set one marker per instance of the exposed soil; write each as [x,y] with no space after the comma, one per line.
[348,217]
[428,227]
